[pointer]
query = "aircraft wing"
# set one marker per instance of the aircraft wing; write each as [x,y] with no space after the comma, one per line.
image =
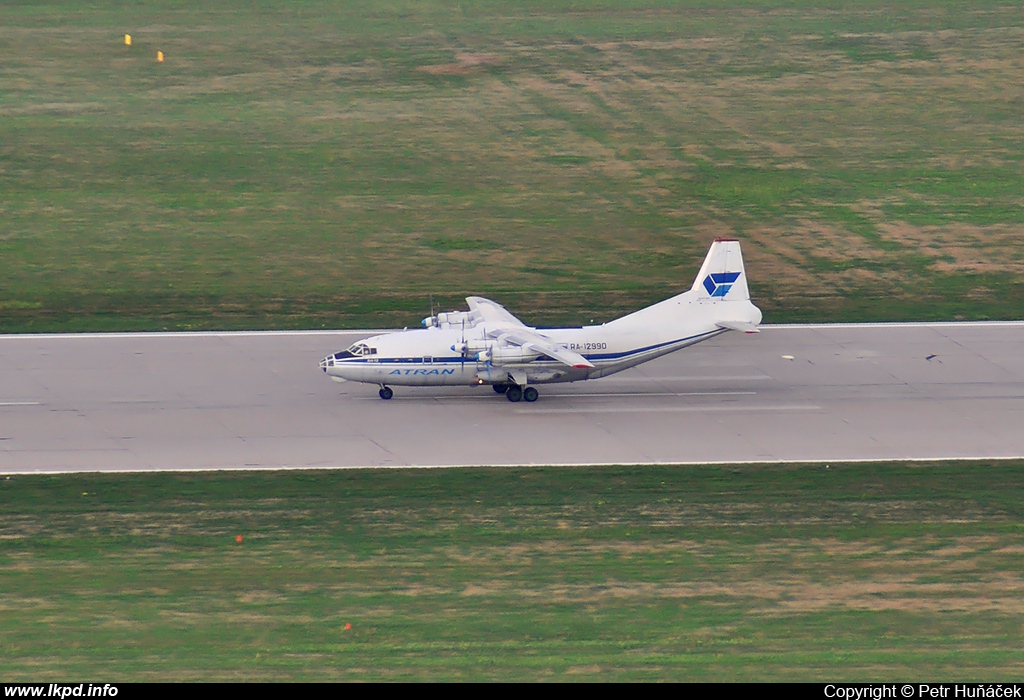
[531,340]
[493,312]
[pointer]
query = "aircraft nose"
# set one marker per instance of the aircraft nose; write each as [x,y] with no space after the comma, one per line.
[326,362]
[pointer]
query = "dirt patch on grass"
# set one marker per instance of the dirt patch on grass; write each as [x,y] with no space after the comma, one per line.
[16,527]
[797,594]
[51,108]
[583,670]
[464,64]
[118,623]
[479,590]
[467,58]
[446,69]
[417,591]
[963,247]
[727,114]
[909,574]
[261,598]
[904,595]
[778,254]
[965,545]
[827,242]
[19,603]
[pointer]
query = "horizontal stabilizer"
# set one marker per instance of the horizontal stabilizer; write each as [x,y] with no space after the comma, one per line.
[745,326]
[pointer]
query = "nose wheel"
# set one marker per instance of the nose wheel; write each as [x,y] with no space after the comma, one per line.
[385,392]
[516,394]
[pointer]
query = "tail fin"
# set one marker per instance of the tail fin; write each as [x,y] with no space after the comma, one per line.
[719,296]
[722,275]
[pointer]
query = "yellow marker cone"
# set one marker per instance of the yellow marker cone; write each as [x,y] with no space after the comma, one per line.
[159,56]
[127,39]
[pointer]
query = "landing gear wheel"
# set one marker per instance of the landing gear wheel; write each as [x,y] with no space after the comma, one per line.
[386,393]
[499,388]
[530,394]
[514,393]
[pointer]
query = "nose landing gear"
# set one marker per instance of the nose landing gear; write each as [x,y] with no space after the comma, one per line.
[385,392]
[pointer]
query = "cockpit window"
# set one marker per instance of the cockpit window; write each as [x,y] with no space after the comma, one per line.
[361,350]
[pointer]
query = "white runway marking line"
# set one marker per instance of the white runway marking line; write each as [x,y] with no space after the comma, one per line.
[20,403]
[651,393]
[808,461]
[666,409]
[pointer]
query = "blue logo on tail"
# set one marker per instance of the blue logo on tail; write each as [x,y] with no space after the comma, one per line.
[718,284]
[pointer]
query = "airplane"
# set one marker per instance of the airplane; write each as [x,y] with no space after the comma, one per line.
[488,345]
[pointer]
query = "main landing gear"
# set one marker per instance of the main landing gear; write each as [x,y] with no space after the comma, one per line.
[516,393]
[513,392]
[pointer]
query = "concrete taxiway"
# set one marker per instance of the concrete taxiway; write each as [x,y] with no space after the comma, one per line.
[259,400]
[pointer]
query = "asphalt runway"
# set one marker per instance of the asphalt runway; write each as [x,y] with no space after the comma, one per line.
[259,400]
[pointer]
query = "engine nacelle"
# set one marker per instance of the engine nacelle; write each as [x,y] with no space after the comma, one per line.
[511,354]
[475,346]
[453,318]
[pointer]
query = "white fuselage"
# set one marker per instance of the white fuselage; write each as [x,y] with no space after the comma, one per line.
[425,358]
[432,357]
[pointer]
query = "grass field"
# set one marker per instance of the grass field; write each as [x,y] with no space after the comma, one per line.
[310,164]
[808,572]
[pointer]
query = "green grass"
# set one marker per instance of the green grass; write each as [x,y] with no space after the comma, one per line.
[312,164]
[811,572]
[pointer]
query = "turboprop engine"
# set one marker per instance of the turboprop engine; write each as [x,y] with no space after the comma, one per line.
[495,352]
[473,347]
